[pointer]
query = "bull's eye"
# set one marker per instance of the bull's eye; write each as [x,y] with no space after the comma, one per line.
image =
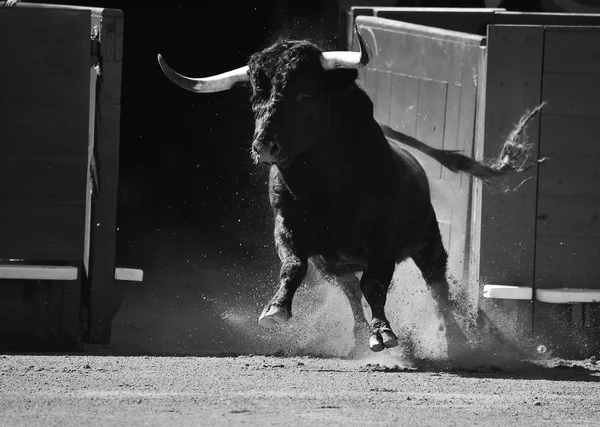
[302,97]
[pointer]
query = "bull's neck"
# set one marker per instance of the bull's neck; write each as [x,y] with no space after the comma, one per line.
[325,171]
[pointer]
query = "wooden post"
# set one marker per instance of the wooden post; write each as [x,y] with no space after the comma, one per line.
[104,299]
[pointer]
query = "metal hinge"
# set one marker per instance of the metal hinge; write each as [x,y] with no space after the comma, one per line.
[95,48]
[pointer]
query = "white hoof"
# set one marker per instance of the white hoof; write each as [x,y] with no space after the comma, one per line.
[376,343]
[273,316]
[389,338]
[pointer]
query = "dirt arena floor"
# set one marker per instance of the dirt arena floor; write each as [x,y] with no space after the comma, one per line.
[102,390]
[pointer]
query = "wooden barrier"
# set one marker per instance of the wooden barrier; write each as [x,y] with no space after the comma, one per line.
[59,144]
[531,256]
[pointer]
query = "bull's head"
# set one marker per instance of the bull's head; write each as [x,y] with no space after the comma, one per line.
[290,82]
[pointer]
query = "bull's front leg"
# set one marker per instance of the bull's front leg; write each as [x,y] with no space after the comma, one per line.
[294,265]
[374,284]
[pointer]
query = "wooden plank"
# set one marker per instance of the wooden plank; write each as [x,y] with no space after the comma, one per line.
[104,299]
[459,248]
[50,69]
[468,105]
[568,216]
[431,116]
[37,272]
[451,121]
[60,8]
[42,179]
[523,293]
[403,104]
[570,175]
[382,85]
[414,50]
[571,94]
[513,85]
[568,296]
[564,134]
[573,50]
[467,20]
[43,128]
[567,262]
[42,231]
[43,119]
[129,274]
[531,19]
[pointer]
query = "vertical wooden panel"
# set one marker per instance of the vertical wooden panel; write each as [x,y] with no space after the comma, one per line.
[403,104]
[431,116]
[513,85]
[568,247]
[574,50]
[43,132]
[572,94]
[104,298]
[383,87]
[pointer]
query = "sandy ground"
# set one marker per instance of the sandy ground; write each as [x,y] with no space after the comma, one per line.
[96,389]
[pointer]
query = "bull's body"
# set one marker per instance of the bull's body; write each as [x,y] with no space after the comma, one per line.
[342,196]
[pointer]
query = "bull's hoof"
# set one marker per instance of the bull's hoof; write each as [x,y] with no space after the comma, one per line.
[389,338]
[273,316]
[376,342]
[382,338]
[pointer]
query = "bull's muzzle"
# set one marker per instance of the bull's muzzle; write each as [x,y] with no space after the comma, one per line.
[265,153]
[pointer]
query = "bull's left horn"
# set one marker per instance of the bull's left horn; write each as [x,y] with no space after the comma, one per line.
[345,59]
[217,83]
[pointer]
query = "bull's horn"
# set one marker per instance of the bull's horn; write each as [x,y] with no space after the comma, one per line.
[217,83]
[345,59]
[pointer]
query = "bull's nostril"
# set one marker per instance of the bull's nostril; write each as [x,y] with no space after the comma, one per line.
[275,149]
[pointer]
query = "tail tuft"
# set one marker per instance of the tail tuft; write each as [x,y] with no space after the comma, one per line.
[514,157]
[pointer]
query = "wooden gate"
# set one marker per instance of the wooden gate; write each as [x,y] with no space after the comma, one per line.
[423,82]
[60,88]
[533,253]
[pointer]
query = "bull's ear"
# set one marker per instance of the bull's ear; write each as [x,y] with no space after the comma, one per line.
[341,78]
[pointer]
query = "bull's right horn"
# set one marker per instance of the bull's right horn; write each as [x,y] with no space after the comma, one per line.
[348,59]
[217,83]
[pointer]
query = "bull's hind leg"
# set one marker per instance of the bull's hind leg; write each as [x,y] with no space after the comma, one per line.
[432,260]
[350,286]
[374,284]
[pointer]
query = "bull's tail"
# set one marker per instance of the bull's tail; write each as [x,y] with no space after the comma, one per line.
[513,158]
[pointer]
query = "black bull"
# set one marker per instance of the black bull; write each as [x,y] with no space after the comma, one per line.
[342,196]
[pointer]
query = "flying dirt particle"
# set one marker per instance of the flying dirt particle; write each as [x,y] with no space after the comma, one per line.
[538,403]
